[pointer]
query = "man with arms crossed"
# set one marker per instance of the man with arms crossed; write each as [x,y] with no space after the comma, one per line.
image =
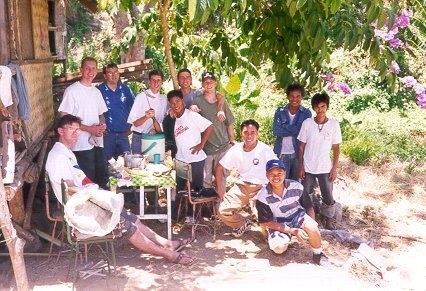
[249,159]
[62,164]
[85,101]
[287,123]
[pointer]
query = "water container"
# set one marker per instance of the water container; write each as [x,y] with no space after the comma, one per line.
[153,144]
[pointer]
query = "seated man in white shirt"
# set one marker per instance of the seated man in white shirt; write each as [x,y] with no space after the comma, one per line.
[249,159]
[148,111]
[191,133]
[62,164]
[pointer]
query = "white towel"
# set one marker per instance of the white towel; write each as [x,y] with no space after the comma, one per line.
[5,87]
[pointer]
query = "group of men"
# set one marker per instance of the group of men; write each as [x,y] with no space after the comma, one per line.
[198,125]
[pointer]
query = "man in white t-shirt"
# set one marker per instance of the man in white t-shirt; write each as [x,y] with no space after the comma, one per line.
[317,137]
[148,111]
[61,165]
[249,158]
[85,101]
[191,133]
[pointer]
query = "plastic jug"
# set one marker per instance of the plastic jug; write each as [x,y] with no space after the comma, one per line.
[153,144]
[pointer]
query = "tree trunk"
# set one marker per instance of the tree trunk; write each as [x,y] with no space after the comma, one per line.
[166,39]
[136,51]
[13,242]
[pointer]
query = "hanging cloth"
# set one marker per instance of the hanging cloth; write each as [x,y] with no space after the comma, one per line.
[20,90]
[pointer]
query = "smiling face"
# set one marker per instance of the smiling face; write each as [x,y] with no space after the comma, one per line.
[177,105]
[112,75]
[88,71]
[276,176]
[184,80]
[321,109]
[209,85]
[155,83]
[249,135]
[295,98]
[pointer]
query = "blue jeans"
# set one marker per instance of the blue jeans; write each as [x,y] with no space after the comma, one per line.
[136,143]
[115,144]
[92,164]
[326,187]
[292,165]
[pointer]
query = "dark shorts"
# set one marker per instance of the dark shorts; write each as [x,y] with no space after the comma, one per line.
[126,227]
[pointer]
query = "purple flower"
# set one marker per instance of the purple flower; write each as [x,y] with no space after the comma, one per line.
[421,100]
[408,81]
[331,87]
[419,89]
[404,19]
[394,68]
[329,78]
[396,43]
[269,4]
[374,23]
[407,45]
[345,88]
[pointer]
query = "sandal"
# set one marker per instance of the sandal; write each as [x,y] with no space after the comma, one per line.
[183,260]
[183,243]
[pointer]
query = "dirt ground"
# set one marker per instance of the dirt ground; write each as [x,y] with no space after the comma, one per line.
[384,205]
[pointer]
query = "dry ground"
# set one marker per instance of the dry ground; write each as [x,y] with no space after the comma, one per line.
[383,204]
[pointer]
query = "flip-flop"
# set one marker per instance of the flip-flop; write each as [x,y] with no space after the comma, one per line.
[183,243]
[181,257]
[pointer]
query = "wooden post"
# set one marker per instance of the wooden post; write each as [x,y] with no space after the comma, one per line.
[14,244]
[33,188]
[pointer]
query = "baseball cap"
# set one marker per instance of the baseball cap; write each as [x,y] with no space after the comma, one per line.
[208,75]
[275,163]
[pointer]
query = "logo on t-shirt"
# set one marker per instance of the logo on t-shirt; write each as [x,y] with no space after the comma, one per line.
[255,161]
[181,129]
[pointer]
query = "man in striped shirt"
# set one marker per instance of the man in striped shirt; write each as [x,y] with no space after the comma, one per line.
[280,210]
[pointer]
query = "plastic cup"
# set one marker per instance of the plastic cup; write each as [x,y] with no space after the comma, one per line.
[157,158]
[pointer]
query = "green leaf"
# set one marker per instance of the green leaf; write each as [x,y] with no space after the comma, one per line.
[234,85]
[192,8]
[319,38]
[243,5]
[102,4]
[293,9]
[335,6]
[227,6]
[300,3]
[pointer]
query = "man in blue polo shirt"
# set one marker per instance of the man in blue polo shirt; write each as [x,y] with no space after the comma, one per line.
[119,100]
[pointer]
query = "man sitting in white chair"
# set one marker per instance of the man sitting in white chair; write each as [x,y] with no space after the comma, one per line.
[62,165]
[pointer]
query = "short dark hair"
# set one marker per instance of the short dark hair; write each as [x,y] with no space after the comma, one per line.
[88,59]
[184,70]
[249,122]
[174,93]
[320,97]
[109,66]
[295,87]
[156,73]
[67,119]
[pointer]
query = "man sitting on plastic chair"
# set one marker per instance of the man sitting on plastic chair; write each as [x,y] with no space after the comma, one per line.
[62,165]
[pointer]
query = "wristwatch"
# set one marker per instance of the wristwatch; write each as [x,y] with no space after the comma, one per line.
[232,142]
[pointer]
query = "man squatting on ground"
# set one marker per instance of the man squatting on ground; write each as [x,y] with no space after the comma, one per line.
[189,94]
[191,132]
[119,100]
[85,101]
[222,136]
[62,164]
[317,137]
[249,158]
[279,208]
[287,123]
[148,111]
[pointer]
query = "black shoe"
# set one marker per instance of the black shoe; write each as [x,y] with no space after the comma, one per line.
[320,259]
